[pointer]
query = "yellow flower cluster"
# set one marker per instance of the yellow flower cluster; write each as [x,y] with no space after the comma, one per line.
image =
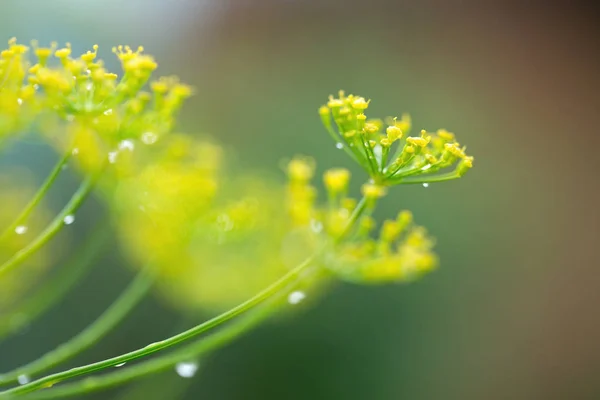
[100,109]
[389,155]
[158,202]
[402,252]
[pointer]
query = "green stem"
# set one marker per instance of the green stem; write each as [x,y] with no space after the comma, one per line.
[164,344]
[431,179]
[92,334]
[191,351]
[59,284]
[37,197]
[257,299]
[52,229]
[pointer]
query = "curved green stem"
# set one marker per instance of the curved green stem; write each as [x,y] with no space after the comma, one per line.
[59,284]
[429,179]
[52,229]
[170,342]
[257,299]
[39,195]
[201,347]
[92,334]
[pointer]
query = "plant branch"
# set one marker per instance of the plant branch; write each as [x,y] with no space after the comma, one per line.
[193,350]
[93,333]
[53,228]
[39,195]
[254,301]
[58,285]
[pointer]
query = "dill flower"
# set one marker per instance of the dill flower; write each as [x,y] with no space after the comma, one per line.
[390,156]
[49,89]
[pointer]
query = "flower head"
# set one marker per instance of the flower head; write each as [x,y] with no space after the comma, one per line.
[393,157]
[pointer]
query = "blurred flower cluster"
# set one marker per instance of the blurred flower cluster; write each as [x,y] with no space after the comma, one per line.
[80,106]
[401,251]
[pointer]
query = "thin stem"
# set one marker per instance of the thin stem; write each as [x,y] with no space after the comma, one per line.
[132,295]
[257,299]
[199,348]
[59,284]
[436,178]
[39,195]
[169,342]
[52,229]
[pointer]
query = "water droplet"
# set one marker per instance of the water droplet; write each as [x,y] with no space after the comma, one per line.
[426,185]
[23,379]
[21,229]
[108,112]
[20,101]
[339,146]
[153,345]
[149,137]
[75,151]
[425,168]
[378,151]
[127,145]
[186,369]
[69,219]
[89,86]
[112,157]
[316,226]
[120,365]
[296,297]
[87,71]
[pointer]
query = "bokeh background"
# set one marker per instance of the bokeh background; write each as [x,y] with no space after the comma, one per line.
[513,311]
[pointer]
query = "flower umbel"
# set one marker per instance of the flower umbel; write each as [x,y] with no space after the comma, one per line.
[50,88]
[389,155]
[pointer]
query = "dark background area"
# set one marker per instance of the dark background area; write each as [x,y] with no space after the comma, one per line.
[511,313]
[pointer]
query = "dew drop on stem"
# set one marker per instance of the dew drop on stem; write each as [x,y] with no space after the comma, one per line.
[339,146]
[426,185]
[69,219]
[296,297]
[186,369]
[23,379]
[21,230]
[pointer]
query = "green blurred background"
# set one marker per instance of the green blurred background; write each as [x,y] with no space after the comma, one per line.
[513,311]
